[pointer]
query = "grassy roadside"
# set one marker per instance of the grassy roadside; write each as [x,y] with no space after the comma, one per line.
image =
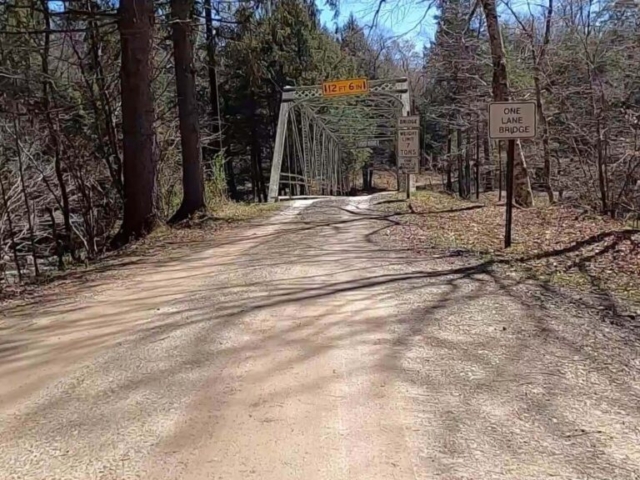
[555,244]
[240,211]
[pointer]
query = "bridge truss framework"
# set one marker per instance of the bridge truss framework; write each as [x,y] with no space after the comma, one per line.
[315,133]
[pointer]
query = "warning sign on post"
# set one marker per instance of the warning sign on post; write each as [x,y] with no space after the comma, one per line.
[512,120]
[412,121]
[409,164]
[408,143]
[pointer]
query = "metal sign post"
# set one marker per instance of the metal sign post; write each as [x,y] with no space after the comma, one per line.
[408,148]
[511,121]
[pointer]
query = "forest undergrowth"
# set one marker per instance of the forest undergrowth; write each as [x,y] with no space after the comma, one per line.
[166,243]
[562,245]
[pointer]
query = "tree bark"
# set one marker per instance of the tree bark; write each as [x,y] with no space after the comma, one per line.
[600,148]
[486,146]
[477,158]
[254,176]
[192,174]
[537,81]
[461,182]
[262,185]
[140,156]
[25,196]
[58,246]
[467,165]
[114,165]
[449,186]
[54,137]
[12,236]
[523,195]
[100,102]
[499,171]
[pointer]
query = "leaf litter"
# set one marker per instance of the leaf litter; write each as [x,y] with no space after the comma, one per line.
[554,243]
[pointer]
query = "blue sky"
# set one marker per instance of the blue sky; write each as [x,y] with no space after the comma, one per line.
[411,19]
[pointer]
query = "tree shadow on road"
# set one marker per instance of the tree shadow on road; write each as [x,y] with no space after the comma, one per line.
[502,378]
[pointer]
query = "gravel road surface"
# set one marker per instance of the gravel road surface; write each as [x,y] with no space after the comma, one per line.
[304,348]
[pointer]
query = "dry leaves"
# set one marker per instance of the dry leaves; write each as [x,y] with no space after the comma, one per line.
[554,243]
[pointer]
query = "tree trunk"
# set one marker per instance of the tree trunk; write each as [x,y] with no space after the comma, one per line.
[58,246]
[523,195]
[460,165]
[257,175]
[216,142]
[192,174]
[254,176]
[600,159]
[449,161]
[12,236]
[499,171]
[537,81]
[54,138]
[114,166]
[25,196]
[467,166]
[140,156]
[259,170]
[477,158]
[602,185]
[101,104]
[546,180]
[486,146]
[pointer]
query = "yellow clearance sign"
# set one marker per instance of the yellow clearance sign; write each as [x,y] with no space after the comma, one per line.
[356,86]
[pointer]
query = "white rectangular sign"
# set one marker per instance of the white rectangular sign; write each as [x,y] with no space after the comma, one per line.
[368,143]
[408,143]
[409,164]
[409,122]
[512,120]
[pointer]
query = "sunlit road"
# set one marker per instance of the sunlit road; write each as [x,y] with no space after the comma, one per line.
[303,349]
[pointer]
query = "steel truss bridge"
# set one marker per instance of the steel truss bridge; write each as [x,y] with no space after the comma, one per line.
[317,135]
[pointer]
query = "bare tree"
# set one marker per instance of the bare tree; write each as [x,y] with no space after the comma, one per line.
[54,135]
[12,235]
[538,59]
[25,194]
[214,100]
[523,195]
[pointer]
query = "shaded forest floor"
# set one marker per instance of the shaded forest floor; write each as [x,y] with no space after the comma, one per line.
[559,245]
[167,243]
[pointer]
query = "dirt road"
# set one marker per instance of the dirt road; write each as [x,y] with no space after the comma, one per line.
[303,349]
